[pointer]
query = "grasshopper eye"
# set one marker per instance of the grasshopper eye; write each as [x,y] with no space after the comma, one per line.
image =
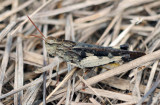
[49,43]
[51,40]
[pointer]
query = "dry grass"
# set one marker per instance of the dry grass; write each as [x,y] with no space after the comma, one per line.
[24,62]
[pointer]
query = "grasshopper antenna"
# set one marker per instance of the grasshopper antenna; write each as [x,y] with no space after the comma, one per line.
[37,29]
[38,37]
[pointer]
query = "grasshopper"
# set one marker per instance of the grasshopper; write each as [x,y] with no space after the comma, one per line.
[84,55]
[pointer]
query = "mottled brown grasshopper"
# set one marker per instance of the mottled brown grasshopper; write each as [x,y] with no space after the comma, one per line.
[85,55]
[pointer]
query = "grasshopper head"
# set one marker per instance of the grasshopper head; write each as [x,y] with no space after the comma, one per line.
[51,45]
